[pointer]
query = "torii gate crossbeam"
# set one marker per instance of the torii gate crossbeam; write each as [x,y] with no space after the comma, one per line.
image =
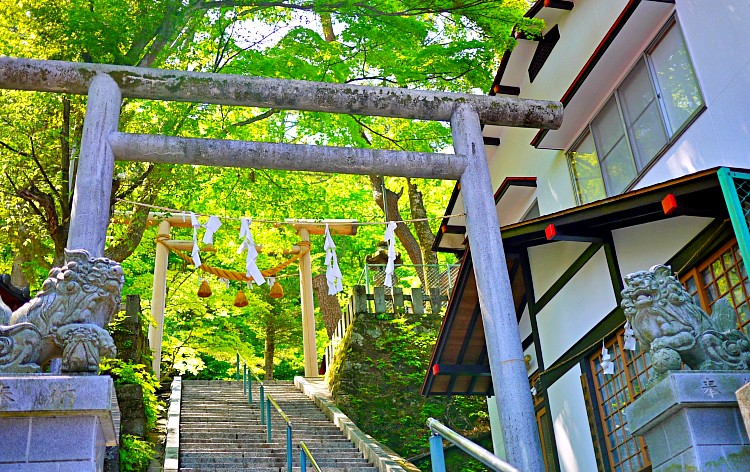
[106,86]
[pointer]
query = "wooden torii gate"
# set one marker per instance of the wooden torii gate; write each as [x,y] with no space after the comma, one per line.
[102,143]
[159,294]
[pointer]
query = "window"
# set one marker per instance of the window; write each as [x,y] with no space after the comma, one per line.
[722,275]
[613,394]
[654,102]
[543,425]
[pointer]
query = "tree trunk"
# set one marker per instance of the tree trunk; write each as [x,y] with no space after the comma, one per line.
[327,23]
[329,304]
[403,234]
[424,235]
[270,349]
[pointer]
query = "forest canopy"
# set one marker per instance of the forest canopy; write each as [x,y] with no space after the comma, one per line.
[447,45]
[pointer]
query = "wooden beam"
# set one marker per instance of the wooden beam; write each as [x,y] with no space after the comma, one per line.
[341,227]
[507,90]
[489,141]
[457,369]
[559,4]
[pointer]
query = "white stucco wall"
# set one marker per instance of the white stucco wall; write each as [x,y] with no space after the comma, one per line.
[720,136]
[578,307]
[575,449]
[549,261]
[637,247]
[524,326]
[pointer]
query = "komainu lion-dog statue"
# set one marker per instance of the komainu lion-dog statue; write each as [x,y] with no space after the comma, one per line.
[675,330]
[66,319]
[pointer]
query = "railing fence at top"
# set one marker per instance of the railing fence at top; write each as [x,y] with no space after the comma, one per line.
[383,300]
[425,276]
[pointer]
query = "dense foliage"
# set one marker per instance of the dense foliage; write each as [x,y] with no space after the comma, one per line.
[451,45]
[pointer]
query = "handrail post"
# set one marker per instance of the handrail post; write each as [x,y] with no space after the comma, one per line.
[436,453]
[238,366]
[262,404]
[302,459]
[289,447]
[268,417]
[244,379]
[250,388]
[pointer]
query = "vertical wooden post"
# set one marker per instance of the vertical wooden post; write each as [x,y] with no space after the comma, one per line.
[159,297]
[89,216]
[308,310]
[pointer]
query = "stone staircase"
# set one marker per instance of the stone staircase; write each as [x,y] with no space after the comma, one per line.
[220,430]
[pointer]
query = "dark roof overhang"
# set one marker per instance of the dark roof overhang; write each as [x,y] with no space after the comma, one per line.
[460,350]
[451,236]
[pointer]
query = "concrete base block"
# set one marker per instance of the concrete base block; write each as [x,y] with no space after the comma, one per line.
[743,398]
[691,421]
[55,422]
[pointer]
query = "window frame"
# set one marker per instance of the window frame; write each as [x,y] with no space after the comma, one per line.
[672,137]
[623,360]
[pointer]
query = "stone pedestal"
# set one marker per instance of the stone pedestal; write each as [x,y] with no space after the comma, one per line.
[743,398]
[55,422]
[691,421]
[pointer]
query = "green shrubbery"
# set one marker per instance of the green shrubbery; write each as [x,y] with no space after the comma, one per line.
[136,452]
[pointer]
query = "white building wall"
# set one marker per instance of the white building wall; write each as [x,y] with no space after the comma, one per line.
[575,448]
[549,261]
[577,308]
[524,326]
[715,34]
[638,249]
[515,157]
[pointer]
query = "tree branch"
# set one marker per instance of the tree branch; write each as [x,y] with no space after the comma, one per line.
[256,118]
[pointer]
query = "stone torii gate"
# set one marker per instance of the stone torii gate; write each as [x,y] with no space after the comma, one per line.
[102,143]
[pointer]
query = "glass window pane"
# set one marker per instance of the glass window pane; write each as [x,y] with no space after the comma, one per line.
[607,128]
[618,169]
[676,79]
[584,165]
[648,135]
[642,116]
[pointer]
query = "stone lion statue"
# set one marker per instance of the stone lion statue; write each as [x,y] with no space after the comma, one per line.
[66,318]
[670,326]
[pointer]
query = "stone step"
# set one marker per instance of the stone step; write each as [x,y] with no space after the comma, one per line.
[221,430]
[276,468]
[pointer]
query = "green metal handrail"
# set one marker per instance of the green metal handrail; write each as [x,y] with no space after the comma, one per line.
[247,381]
[440,431]
[270,401]
[304,454]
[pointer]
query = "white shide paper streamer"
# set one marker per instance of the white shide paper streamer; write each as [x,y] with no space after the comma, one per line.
[333,272]
[251,268]
[390,238]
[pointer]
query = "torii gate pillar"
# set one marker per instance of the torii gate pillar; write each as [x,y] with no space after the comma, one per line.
[102,143]
[501,333]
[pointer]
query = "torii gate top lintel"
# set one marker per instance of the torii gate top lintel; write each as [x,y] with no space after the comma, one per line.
[239,90]
[101,143]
